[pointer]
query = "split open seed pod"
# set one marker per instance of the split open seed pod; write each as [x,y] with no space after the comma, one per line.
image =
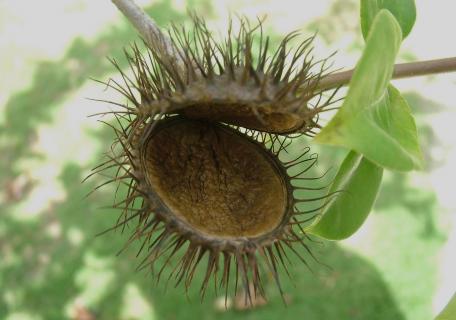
[199,144]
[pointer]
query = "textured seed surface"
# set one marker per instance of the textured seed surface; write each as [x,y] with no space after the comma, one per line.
[216,180]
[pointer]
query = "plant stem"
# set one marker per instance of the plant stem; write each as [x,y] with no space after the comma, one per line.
[401,70]
[153,36]
[147,27]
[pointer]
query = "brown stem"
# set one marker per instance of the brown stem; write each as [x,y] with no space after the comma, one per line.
[401,70]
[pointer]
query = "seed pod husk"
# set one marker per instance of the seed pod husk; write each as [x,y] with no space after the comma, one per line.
[198,145]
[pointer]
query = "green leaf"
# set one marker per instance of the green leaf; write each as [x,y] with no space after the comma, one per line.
[403,10]
[449,313]
[375,120]
[358,179]
[386,133]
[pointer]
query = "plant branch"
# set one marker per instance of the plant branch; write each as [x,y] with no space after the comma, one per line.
[154,37]
[401,70]
[147,27]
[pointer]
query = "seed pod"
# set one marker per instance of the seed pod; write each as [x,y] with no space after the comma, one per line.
[199,152]
[236,81]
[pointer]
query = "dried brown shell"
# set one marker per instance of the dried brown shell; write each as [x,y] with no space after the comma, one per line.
[199,153]
[236,81]
[212,190]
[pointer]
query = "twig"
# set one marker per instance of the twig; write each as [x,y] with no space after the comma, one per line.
[155,37]
[401,70]
[147,28]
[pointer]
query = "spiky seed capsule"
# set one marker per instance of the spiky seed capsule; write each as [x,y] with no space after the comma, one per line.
[235,81]
[215,190]
[200,154]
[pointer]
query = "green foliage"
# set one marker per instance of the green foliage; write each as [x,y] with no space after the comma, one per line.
[344,214]
[375,121]
[403,10]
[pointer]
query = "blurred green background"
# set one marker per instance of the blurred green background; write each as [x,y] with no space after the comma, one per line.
[52,266]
